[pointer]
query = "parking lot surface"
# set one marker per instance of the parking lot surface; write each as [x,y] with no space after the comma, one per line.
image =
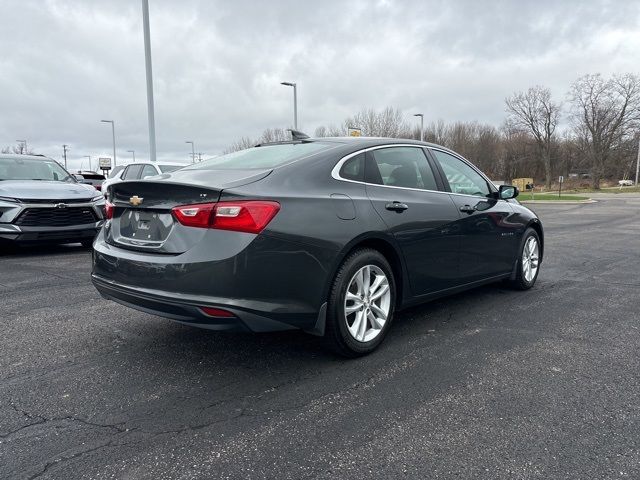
[491,383]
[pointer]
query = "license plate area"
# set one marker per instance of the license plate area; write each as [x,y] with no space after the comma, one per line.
[145,225]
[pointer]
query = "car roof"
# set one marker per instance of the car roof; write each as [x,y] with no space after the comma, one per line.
[159,162]
[19,155]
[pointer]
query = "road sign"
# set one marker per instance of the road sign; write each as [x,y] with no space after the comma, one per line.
[104,163]
[354,132]
[560,179]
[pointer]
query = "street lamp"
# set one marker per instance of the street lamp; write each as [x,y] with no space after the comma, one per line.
[149,72]
[25,145]
[113,136]
[132,152]
[89,157]
[295,102]
[421,115]
[193,151]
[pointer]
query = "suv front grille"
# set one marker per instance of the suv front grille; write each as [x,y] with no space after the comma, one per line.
[56,217]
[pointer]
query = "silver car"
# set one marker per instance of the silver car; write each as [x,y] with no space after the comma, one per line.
[40,201]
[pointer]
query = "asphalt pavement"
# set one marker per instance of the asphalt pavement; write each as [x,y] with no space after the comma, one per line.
[491,383]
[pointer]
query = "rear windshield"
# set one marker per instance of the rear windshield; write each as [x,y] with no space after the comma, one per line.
[268,156]
[169,168]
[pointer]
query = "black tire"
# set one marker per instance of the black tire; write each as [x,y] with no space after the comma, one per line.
[519,282]
[337,334]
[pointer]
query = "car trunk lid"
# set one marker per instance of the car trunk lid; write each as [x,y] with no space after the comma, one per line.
[143,218]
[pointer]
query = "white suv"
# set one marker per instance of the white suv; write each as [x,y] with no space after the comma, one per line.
[139,170]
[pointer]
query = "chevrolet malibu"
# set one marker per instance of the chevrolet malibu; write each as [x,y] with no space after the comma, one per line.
[329,235]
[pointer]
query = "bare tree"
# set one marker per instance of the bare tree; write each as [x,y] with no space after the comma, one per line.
[605,114]
[535,112]
[19,149]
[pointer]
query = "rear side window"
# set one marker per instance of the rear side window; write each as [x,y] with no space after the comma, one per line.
[132,172]
[353,169]
[405,167]
[169,168]
[148,171]
[268,156]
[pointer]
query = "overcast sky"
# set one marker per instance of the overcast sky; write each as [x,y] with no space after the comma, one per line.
[217,65]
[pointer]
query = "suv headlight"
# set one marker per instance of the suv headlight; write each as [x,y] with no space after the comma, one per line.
[97,198]
[9,199]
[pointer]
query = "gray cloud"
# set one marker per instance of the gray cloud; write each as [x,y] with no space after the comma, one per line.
[217,65]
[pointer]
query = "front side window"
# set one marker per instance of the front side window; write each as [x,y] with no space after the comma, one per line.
[116,170]
[21,168]
[405,167]
[461,177]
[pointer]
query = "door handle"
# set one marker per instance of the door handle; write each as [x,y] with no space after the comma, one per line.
[396,206]
[467,209]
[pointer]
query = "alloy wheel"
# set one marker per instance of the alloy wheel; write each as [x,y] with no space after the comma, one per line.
[367,303]
[530,259]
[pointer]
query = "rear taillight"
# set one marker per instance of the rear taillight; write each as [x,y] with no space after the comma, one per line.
[247,216]
[108,210]
[198,215]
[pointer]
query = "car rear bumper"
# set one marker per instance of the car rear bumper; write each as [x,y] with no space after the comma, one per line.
[249,315]
[73,233]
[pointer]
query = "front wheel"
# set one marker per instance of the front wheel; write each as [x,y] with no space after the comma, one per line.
[528,261]
[361,303]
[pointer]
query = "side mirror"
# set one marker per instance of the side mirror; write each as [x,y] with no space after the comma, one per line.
[506,192]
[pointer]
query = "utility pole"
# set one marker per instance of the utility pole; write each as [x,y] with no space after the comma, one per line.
[193,151]
[113,138]
[133,152]
[147,61]
[199,156]
[64,152]
[638,163]
[89,157]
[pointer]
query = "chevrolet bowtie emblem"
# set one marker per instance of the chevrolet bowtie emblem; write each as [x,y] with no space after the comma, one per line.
[135,200]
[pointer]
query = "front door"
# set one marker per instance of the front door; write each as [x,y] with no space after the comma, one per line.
[403,189]
[488,239]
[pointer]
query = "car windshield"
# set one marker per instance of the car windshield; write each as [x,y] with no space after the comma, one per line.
[169,168]
[267,156]
[25,168]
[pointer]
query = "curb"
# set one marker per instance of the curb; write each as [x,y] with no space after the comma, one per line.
[561,202]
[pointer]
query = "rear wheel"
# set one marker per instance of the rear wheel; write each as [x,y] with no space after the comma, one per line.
[528,261]
[361,303]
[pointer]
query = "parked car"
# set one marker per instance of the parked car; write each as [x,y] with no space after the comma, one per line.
[139,170]
[94,179]
[330,235]
[40,201]
[625,183]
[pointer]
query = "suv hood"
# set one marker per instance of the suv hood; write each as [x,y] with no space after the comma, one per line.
[46,190]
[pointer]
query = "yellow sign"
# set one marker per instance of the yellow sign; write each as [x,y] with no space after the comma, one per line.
[354,132]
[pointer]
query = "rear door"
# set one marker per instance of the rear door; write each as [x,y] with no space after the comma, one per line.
[488,240]
[403,188]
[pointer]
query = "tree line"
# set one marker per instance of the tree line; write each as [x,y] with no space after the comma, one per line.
[600,139]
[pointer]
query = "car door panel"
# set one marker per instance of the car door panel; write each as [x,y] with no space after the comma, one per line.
[423,223]
[488,236]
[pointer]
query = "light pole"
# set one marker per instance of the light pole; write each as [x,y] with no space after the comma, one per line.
[113,136]
[133,152]
[193,151]
[25,145]
[421,115]
[64,152]
[295,102]
[147,62]
[89,157]
[638,163]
